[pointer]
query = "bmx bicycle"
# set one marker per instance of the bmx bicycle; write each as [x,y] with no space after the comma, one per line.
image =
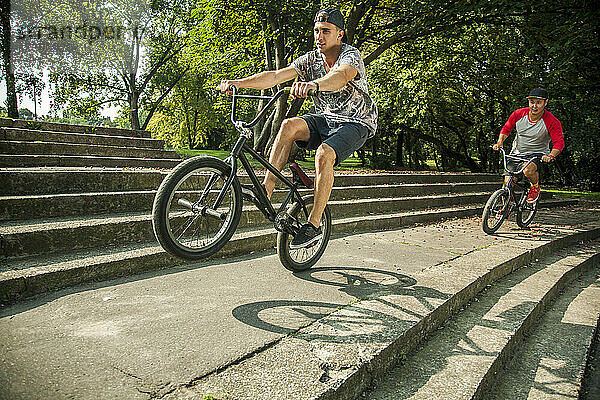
[504,201]
[198,205]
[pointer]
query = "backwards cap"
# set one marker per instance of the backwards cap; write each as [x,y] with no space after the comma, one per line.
[331,15]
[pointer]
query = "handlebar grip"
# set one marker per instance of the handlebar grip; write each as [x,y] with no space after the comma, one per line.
[311,92]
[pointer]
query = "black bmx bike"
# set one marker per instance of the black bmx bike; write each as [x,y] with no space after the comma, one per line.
[198,205]
[504,201]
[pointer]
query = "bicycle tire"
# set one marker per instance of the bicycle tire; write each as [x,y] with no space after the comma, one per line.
[303,259]
[183,230]
[526,212]
[495,208]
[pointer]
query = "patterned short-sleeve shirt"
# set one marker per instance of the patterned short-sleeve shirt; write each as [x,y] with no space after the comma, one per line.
[352,103]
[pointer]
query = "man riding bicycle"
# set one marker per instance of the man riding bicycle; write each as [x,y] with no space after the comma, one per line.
[345,115]
[536,127]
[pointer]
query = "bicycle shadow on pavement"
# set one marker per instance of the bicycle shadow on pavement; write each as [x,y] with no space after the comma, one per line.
[343,321]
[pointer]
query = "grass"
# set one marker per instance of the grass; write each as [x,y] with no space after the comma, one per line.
[575,193]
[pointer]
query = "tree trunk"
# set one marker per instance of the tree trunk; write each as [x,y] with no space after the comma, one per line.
[261,135]
[134,97]
[9,75]
[261,140]
[281,105]
[399,148]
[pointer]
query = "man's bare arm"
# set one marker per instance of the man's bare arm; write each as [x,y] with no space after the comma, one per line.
[334,80]
[501,138]
[262,80]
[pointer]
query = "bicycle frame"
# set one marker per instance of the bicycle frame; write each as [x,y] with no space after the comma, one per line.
[513,174]
[238,153]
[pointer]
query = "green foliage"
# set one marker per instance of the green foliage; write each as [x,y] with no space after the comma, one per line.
[445,97]
[445,75]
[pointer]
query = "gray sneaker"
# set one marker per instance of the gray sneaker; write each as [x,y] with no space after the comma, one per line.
[306,236]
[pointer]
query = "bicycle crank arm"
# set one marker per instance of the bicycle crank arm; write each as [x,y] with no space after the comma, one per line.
[204,210]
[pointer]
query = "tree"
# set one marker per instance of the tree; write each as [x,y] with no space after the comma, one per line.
[7,64]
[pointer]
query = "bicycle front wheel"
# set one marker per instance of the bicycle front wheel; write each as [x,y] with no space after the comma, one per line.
[304,258]
[495,211]
[186,222]
[525,212]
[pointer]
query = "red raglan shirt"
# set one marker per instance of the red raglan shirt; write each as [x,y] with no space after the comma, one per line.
[534,137]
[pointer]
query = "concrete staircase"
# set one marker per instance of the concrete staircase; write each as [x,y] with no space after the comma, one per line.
[526,336]
[42,144]
[67,225]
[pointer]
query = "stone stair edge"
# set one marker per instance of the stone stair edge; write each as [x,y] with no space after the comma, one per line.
[50,134]
[517,338]
[309,172]
[22,240]
[140,191]
[68,146]
[32,207]
[8,160]
[29,124]
[556,284]
[51,180]
[63,222]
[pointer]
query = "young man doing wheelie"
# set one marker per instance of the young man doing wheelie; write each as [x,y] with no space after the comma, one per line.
[536,127]
[345,115]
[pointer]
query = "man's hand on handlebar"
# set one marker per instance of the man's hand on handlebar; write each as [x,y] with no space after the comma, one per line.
[497,146]
[547,158]
[300,89]
[225,86]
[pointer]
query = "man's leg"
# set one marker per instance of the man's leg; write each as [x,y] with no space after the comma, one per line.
[531,172]
[324,162]
[291,130]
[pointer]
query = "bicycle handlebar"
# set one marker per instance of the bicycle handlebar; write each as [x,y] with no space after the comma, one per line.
[261,113]
[505,156]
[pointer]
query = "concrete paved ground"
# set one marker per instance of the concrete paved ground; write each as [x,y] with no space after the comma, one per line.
[142,337]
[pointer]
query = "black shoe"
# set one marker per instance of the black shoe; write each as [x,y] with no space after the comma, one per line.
[306,236]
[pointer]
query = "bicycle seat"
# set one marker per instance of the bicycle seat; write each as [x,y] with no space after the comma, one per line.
[296,170]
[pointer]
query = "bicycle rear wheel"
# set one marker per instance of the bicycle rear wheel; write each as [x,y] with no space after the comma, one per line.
[184,219]
[495,211]
[525,212]
[304,258]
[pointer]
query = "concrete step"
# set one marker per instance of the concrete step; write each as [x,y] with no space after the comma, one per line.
[338,353]
[58,127]
[109,259]
[20,161]
[30,135]
[78,204]
[83,149]
[26,181]
[545,367]
[34,238]
[464,360]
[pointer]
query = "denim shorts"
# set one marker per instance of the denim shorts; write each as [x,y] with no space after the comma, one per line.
[514,165]
[343,137]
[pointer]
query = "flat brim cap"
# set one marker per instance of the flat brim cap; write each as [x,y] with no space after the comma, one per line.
[538,93]
[331,15]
